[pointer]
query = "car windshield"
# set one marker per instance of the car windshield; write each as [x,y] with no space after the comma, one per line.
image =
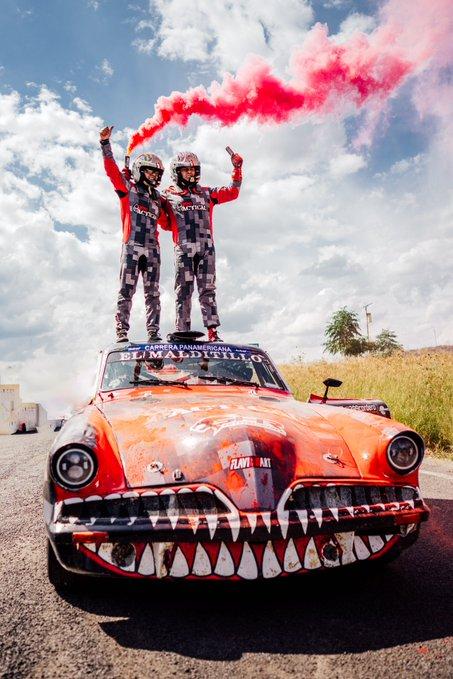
[185,365]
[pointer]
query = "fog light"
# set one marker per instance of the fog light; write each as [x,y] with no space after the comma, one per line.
[330,552]
[123,555]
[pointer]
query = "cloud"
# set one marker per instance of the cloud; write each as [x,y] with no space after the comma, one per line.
[24,13]
[329,75]
[337,4]
[346,163]
[106,68]
[82,105]
[144,46]
[103,72]
[70,87]
[353,23]
[208,32]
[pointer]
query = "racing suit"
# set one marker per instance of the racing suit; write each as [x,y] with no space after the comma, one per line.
[141,210]
[194,246]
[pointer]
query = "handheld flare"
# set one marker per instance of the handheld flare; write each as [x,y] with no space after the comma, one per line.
[127,160]
[229,150]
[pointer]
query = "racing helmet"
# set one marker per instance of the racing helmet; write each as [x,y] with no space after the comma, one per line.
[181,160]
[147,161]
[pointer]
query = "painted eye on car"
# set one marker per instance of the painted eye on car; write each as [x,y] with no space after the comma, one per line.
[74,467]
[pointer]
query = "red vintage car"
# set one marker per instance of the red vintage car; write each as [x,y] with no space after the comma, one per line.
[194,460]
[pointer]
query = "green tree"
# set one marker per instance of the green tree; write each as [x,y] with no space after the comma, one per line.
[386,343]
[343,334]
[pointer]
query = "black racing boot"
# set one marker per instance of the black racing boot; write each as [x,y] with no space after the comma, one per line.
[122,337]
[154,337]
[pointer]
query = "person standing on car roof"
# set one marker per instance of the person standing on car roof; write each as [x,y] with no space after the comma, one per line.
[192,228]
[142,208]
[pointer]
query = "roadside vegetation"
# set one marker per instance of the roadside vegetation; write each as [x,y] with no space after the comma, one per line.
[417,386]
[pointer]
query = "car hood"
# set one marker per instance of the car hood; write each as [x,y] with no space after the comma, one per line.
[250,446]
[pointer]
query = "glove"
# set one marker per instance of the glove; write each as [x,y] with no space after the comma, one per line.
[237,160]
[105,133]
[127,174]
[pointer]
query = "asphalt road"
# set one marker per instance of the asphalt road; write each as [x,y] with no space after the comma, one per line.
[389,622]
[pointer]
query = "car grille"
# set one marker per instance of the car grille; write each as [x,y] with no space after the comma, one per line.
[143,506]
[328,497]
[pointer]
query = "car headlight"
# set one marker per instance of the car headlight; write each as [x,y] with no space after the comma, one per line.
[405,453]
[74,467]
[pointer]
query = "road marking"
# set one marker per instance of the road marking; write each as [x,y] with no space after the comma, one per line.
[439,476]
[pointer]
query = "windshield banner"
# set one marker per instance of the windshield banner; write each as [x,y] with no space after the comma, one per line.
[180,351]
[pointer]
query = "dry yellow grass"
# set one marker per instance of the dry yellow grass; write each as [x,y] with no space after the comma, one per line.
[418,387]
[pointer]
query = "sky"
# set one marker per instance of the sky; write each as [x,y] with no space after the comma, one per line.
[346,206]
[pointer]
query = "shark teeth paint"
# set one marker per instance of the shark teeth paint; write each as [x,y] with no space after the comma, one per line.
[180,567]
[361,549]
[271,567]
[291,562]
[267,560]
[311,559]
[225,564]
[248,570]
[147,562]
[178,509]
[201,565]
[303,518]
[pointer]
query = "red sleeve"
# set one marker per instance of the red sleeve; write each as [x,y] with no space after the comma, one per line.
[227,193]
[113,172]
[167,220]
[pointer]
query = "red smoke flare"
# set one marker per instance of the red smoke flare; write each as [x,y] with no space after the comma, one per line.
[326,74]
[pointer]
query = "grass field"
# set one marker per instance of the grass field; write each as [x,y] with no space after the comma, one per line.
[418,387]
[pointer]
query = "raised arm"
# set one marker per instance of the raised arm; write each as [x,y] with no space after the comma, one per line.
[226,193]
[120,183]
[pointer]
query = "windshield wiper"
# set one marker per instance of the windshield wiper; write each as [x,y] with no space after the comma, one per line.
[153,383]
[229,380]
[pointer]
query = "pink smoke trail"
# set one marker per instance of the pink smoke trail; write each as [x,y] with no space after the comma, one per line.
[327,75]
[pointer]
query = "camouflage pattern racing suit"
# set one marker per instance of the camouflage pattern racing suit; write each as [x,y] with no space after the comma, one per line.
[141,210]
[194,247]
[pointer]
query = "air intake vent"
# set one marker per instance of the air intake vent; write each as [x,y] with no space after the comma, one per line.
[143,506]
[320,497]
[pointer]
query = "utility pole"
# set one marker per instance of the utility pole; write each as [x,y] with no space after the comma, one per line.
[368,319]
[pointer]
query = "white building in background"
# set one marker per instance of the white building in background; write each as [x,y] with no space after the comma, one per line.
[18,416]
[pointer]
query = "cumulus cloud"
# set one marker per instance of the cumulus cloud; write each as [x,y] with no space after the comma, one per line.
[353,23]
[346,163]
[82,105]
[223,33]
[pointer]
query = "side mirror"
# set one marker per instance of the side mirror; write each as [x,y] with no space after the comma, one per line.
[330,382]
